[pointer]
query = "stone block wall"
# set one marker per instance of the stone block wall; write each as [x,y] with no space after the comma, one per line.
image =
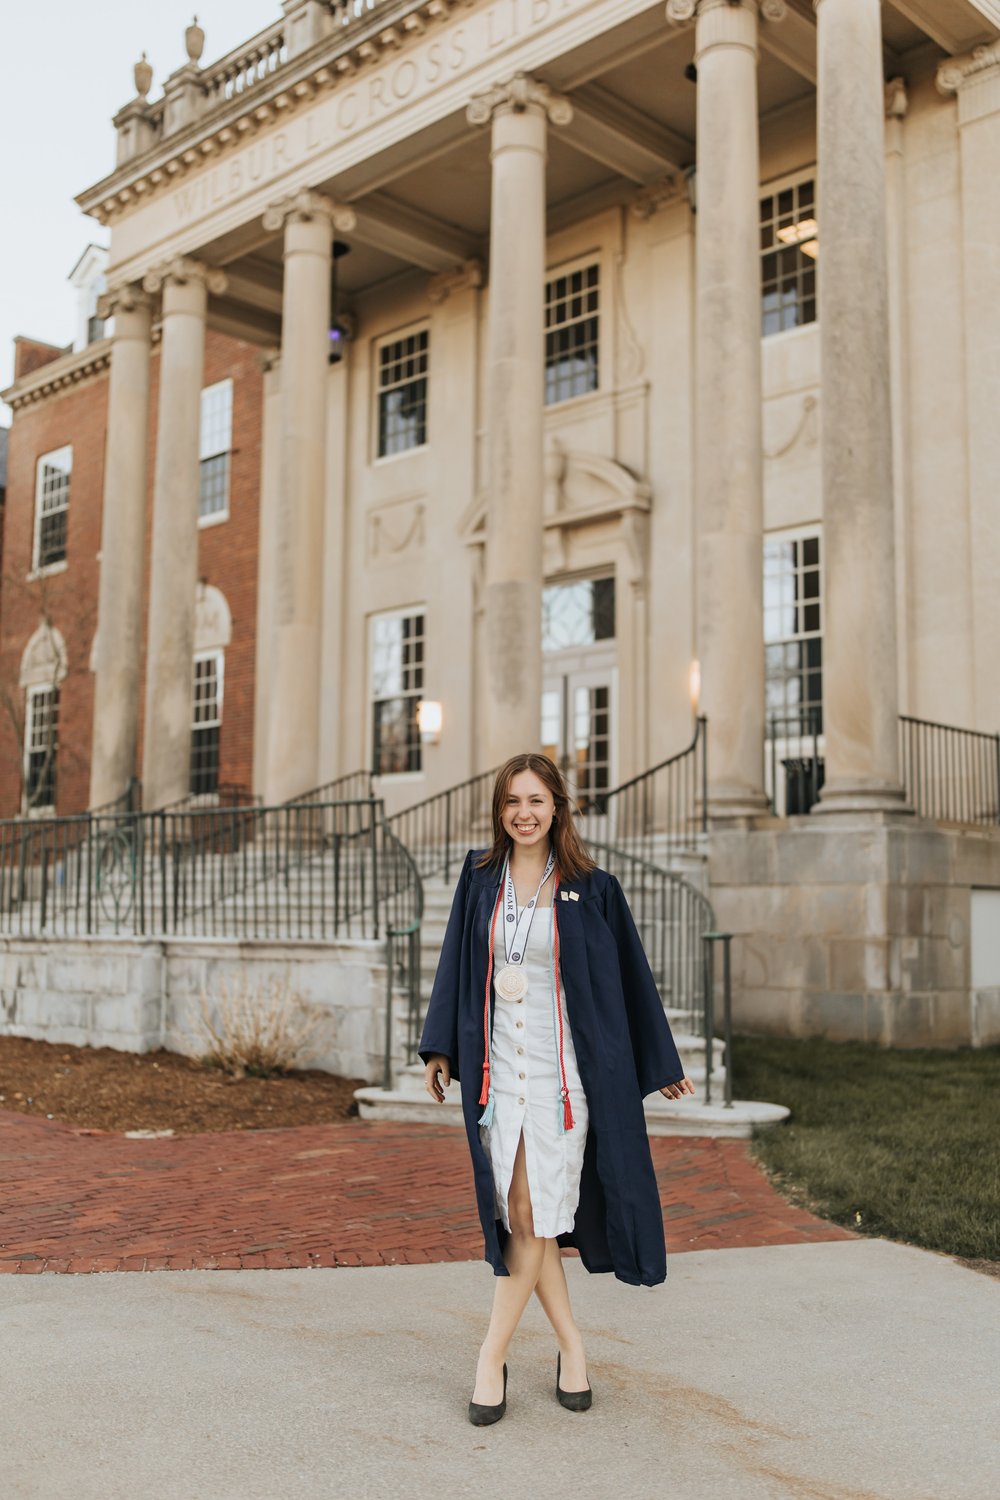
[857,928]
[138,995]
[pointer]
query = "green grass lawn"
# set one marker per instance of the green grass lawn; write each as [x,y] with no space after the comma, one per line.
[900,1144]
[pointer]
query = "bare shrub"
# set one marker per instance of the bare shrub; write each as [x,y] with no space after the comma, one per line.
[259,1029]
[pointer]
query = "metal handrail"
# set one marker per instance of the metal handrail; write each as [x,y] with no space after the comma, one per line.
[949,774]
[665,806]
[439,829]
[351,785]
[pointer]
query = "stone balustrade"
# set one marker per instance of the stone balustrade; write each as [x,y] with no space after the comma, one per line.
[247,65]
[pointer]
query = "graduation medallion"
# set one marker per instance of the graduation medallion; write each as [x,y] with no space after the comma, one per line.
[511,982]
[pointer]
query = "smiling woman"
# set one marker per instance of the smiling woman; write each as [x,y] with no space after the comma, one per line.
[544,1007]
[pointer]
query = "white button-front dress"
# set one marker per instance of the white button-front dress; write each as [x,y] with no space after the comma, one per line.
[526,1093]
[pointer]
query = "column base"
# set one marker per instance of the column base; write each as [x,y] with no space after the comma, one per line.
[855,798]
[730,804]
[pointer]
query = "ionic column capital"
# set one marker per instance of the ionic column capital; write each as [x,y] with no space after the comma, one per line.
[517,95]
[183,271]
[469,275]
[305,207]
[953,74]
[682,11]
[124,298]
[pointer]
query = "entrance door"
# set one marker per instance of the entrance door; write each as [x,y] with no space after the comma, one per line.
[578,719]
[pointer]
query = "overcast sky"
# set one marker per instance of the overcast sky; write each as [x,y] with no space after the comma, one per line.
[67,70]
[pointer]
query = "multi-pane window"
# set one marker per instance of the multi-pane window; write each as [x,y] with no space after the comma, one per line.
[41,740]
[793,639]
[402,393]
[571,333]
[789,247]
[52,477]
[215,444]
[578,613]
[206,722]
[397,685]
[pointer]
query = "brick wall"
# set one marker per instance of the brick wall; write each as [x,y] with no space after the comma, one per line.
[227,559]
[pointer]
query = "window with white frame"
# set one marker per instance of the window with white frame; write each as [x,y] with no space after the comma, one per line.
[577,613]
[789,246]
[52,476]
[402,366]
[206,722]
[572,330]
[41,744]
[215,446]
[793,633]
[397,685]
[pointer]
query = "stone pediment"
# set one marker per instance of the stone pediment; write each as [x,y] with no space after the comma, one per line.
[580,489]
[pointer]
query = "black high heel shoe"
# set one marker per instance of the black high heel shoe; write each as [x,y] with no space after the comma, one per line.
[573,1400]
[483,1416]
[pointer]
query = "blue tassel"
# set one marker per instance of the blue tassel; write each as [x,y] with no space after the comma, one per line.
[486,1118]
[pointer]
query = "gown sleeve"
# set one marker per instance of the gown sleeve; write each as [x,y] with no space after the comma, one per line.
[440,1033]
[657,1061]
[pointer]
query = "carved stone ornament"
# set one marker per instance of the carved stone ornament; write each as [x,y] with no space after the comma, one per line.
[304,206]
[958,70]
[124,298]
[519,94]
[680,11]
[656,195]
[181,270]
[773,10]
[469,275]
[194,41]
[896,100]
[142,73]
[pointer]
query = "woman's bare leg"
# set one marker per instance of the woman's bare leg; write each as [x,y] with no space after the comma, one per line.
[553,1293]
[523,1255]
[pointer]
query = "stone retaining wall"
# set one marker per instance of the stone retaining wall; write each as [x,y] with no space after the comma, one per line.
[858,928]
[139,994]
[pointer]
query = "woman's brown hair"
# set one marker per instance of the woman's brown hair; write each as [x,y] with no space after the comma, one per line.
[572,859]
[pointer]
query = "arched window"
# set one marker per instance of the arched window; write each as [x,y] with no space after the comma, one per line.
[43,667]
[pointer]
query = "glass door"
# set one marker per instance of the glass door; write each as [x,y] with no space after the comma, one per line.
[578,710]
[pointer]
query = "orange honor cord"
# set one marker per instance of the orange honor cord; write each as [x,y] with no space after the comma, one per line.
[567,1108]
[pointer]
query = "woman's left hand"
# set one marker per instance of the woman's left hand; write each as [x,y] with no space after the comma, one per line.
[675,1090]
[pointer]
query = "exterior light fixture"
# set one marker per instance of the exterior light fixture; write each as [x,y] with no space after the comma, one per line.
[339,329]
[429,721]
[694,685]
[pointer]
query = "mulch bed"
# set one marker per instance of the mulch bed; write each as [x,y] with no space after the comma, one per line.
[102,1089]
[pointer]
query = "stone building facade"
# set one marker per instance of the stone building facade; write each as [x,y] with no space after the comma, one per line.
[671,329]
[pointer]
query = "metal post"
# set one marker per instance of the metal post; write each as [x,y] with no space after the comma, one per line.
[447,835]
[727,1015]
[387,1063]
[709,1017]
[703,722]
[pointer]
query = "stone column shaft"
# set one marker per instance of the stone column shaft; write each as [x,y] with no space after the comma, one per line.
[515,398]
[860,688]
[174,572]
[308,220]
[728,441]
[123,523]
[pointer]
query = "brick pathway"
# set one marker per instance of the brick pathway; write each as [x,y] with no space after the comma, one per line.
[351,1194]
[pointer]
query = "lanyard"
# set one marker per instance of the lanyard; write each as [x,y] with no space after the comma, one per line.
[515,929]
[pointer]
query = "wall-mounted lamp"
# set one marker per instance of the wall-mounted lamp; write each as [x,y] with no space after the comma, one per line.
[429,721]
[694,686]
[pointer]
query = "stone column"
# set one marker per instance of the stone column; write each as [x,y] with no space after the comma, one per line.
[185,285]
[860,688]
[518,112]
[729,608]
[309,220]
[123,524]
[974,80]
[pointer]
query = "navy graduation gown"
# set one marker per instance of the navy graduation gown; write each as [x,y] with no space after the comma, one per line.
[624,1051]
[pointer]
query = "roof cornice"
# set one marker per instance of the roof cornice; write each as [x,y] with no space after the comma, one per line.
[58,375]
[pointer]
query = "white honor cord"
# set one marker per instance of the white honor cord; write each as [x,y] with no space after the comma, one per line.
[515,930]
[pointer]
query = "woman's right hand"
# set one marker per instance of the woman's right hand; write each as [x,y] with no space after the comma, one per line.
[437,1065]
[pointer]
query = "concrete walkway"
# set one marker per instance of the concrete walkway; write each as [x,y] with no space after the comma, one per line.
[850,1370]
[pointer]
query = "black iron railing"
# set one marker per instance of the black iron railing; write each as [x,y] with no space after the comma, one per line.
[316,871]
[662,810]
[353,786]
[440,830]
[672,917]
[794,760]
[951,775]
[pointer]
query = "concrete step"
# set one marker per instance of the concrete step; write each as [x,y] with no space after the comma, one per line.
[409,1101]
